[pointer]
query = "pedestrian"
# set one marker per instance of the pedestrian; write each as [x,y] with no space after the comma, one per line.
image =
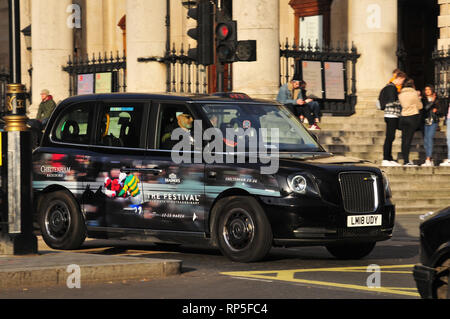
[292,96]
[310,108]
[46,107]
[389,102]
[430,122]
[446,112]
[45,110]
[410,117]
[395,73]
[288,95]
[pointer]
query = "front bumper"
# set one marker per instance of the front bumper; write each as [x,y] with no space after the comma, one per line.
[306,222]
[424,277]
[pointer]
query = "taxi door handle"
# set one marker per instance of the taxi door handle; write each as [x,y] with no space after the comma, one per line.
[155,171]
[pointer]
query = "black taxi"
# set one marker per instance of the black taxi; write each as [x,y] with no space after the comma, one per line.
[240,174]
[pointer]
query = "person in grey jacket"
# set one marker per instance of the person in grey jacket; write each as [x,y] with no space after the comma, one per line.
[290,95]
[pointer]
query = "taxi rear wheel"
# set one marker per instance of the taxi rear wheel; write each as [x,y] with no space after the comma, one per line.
[61,223]
[244,233]
[351,251]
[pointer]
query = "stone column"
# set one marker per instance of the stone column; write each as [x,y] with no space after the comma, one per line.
[373,29]
[94,26]
[258,20]
[52,43]
[444,25]
[146,37]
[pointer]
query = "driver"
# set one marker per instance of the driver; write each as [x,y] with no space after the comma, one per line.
[185,123]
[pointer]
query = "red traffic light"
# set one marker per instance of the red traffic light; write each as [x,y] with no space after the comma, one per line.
[223,31]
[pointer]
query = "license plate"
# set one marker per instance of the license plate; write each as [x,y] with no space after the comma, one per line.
[364,220]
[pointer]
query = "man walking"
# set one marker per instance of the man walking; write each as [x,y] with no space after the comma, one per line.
[46,107]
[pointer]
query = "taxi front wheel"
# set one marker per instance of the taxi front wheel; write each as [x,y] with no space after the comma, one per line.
[61,223]
[244,233]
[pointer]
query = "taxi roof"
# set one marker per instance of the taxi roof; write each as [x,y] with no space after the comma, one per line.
[184,97]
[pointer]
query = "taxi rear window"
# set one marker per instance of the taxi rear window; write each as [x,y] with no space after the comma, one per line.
[72,126]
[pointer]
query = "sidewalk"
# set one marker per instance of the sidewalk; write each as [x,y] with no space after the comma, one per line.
[50,268]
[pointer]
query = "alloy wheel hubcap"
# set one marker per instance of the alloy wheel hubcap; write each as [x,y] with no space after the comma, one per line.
[239,229]
[57,221]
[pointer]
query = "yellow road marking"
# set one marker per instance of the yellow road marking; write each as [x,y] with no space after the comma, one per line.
[288,276]
[143,252]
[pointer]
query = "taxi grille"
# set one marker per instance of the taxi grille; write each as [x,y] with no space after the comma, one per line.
[359,192]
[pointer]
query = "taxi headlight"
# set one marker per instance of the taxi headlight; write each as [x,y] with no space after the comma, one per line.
[386,186]
[303,184]
[298,184]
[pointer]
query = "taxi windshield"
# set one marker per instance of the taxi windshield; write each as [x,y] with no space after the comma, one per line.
[276,125]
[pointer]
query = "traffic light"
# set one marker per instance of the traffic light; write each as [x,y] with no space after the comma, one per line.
[203,12]
[246,51]
[226,37]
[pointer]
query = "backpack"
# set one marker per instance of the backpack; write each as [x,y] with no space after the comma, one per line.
[381,102]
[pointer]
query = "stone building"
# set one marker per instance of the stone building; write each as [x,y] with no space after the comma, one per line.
[386,33]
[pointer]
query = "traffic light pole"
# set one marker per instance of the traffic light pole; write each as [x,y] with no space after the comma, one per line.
[220,70]
[16,237]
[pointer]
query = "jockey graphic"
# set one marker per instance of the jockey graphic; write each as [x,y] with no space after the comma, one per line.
[130,189]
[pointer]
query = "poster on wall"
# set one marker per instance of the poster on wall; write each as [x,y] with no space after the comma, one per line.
[312,75]
[103,83]
[334,80]
[85,84]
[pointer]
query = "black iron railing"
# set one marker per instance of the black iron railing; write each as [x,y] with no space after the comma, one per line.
[441,60]
[293,58]
[4,80]
[183,74]
[87,74]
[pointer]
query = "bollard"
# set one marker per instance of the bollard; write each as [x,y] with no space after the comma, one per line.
[17,236]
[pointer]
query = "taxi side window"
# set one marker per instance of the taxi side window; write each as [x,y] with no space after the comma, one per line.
[120,126]
[171,118]
[72,127]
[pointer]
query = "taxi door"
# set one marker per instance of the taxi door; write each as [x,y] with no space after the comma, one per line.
[174,193]
[116,197]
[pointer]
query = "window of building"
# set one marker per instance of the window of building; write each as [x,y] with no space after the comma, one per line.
[311,30]
[312,21]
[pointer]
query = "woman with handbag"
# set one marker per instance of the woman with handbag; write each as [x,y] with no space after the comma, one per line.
[410,117]
[431,121]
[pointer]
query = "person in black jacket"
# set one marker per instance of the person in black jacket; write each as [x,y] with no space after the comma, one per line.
[389,102]
[431,114]
[445,110]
